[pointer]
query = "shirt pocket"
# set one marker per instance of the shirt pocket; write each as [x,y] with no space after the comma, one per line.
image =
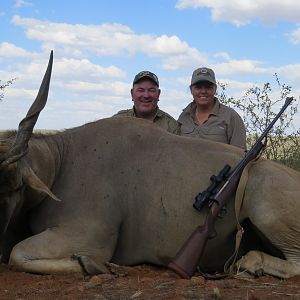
[216,133]
[187,129]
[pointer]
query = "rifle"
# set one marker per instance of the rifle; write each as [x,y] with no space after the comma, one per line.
[187,258]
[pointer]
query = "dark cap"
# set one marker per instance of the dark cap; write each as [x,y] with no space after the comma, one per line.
[146,74]
[203,74]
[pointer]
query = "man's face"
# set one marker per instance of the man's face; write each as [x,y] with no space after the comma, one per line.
[145,95]
[203,92]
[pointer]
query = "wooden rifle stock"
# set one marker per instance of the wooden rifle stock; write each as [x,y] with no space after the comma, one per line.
[187,258]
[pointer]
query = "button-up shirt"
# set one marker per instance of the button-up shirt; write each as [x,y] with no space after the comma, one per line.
[161,118]
[223,125]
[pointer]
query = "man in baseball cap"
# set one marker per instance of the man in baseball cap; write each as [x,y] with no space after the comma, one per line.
[146,74]
[145,94]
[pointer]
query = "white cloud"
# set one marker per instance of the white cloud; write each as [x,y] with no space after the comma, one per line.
[242,12]
[290,74]
[238,67]
[78,76]
[226,65]
[108,40]
[294,36]
[82,90]
[106,88]
[188,60]
[105,39]
[83,68]
[8,50]
[22,3]
[165,45]
[224,55]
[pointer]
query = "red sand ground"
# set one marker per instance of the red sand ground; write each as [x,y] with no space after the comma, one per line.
[142,282]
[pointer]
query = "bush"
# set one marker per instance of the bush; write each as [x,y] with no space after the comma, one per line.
[258,110]
[3,86]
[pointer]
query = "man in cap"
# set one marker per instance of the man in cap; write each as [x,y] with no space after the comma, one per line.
[206,117]
[145,94]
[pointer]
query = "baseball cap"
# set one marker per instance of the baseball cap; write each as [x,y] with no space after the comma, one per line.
[203,74]
[146,74]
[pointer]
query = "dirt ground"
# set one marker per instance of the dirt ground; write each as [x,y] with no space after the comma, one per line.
[142,282]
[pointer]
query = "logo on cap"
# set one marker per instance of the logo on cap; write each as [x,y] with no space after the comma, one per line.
[203,71]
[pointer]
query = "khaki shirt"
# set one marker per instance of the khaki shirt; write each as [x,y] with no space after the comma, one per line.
[162,119]
[223,125]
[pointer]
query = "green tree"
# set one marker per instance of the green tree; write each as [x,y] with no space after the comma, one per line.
[258,110]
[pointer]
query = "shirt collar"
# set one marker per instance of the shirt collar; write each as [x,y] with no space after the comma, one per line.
[158,113]
[192,107]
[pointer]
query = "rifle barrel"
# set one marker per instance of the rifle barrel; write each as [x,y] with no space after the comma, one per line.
[187,258]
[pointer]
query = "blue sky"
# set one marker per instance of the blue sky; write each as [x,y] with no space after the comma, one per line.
[100,45]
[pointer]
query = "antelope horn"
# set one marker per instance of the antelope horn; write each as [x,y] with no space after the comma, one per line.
[26,126]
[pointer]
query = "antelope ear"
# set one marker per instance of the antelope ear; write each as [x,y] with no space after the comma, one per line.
[37,184]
